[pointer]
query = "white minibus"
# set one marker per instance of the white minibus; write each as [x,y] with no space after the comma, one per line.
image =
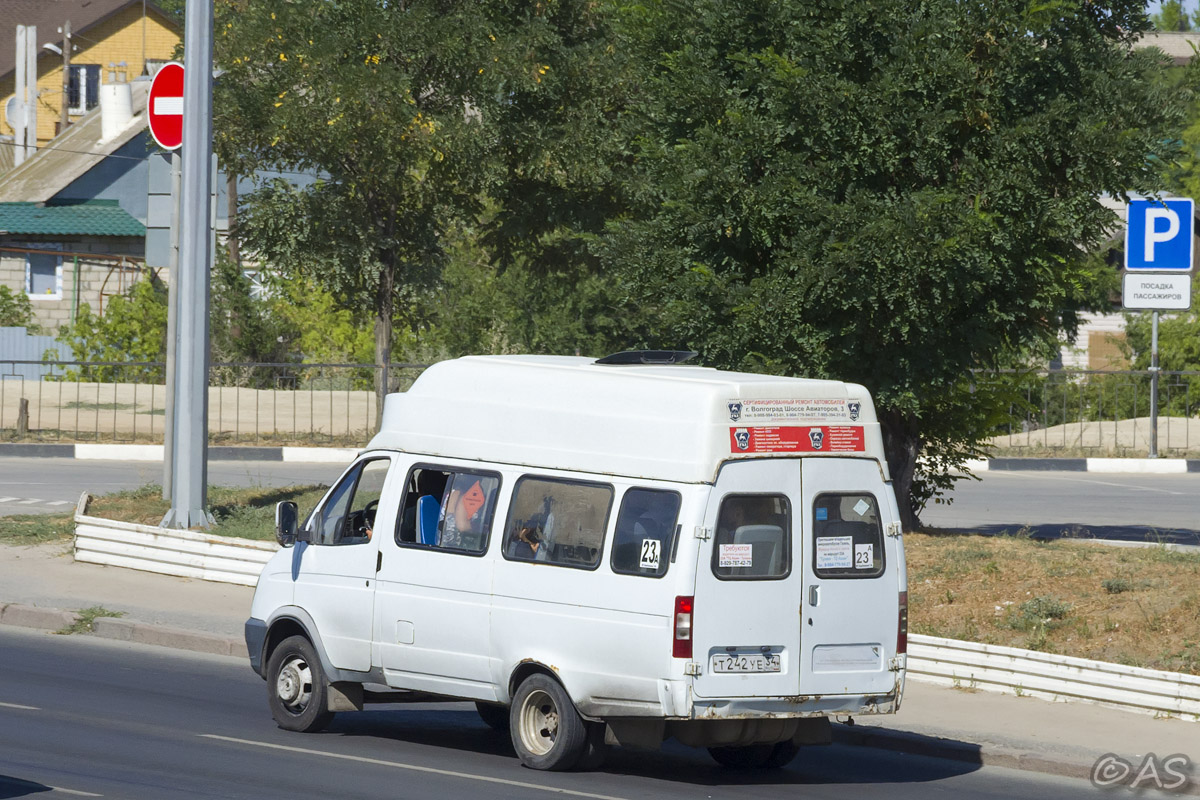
[599,552]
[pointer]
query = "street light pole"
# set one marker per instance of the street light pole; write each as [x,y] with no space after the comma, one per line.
[189,456]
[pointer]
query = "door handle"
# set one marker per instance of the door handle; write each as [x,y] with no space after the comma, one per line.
[379,561]
[814,595]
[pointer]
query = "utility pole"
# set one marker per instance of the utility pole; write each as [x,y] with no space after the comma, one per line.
[65,114]
[31,90]
[189,488]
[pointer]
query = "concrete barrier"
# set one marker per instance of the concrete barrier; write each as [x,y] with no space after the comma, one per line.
[1010,670]
[187,554]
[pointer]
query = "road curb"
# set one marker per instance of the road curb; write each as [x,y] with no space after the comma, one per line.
[125,630]
[154,452]
[344,455]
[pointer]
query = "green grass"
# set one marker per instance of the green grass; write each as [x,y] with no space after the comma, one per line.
[36,528]
[245,513]
[87,620]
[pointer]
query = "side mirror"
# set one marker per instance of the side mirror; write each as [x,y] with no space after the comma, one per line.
[285,523]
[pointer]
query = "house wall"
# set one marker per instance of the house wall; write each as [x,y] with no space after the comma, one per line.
[96,276]
[117,39]
[121,177]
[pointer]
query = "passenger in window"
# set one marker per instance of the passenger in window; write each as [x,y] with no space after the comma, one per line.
[529,543]
[462,525]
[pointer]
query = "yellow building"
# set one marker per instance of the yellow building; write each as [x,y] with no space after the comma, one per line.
[103,33]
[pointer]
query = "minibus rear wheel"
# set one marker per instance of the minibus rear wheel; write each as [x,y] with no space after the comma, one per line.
[547,731]
[296,687]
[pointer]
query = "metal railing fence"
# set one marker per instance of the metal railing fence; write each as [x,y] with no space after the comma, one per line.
[248,402]
[1094,413]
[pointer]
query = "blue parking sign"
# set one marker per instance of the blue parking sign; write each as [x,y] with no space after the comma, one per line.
[1159,235]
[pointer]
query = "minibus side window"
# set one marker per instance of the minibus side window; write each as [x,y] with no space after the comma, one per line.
[559,522]
[753,540]
[348,515]
[847,536]
[645,532]
[447,509]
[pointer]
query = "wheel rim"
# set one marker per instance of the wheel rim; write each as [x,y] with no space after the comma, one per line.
[293,685]
[539,722]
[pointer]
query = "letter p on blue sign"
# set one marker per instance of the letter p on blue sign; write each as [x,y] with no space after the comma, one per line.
[1159,235]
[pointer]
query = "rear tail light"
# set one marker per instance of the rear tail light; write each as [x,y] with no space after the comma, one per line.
[682,645]
[902,626]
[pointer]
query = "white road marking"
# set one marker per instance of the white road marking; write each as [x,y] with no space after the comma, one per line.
[7,499]
[58,502]
[413,767]
[1093,482]
[22,708]
[75,792]
[30,501]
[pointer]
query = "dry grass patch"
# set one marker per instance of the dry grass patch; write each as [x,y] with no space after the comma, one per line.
[245,513]
[1137,606]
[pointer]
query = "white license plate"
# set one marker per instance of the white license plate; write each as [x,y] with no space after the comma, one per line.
[745,662]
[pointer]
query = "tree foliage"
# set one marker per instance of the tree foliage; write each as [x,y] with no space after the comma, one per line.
[132,328]
[382,101]
[15,310]
[891,194]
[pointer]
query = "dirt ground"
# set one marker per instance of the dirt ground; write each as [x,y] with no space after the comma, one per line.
[1131,606]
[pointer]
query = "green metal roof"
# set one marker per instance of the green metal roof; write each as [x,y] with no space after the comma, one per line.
[90,218]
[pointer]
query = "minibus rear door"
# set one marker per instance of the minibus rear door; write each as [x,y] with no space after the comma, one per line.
[746,617]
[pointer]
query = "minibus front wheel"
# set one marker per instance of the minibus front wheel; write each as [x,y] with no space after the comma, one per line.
[296,687]
[547,731]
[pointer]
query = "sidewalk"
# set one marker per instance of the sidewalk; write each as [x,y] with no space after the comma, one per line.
[38,585]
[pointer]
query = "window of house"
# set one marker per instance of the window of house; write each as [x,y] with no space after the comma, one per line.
[447,509]
[646,531]
[848,536]
[83,88]
[753,540]
[559,522]
[43,275]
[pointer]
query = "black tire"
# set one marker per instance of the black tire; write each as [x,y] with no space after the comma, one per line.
[496,716]
[296,687]
[751,756]
[547,731]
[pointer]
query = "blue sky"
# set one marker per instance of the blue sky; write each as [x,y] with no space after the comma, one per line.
[1188,5]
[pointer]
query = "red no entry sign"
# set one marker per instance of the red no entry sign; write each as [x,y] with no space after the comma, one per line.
[164,106]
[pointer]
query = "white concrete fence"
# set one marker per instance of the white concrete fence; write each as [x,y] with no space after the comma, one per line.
[970,665]
[187,554]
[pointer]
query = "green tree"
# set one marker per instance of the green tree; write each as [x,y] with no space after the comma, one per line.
[386,102]
[892,194]
[16,310]
[1173,17]
[132,329]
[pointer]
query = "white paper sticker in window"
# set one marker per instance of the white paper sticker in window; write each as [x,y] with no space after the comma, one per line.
[864,556]
[735,555]
[651,553]
[862,507]
[835,552]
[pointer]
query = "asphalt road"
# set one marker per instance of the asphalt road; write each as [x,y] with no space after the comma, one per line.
[1051,504]
[1110,506]
[45,485]
[83,717]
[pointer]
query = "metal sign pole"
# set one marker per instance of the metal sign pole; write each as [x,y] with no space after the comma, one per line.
[190,450]
[173,291]
[1154,385]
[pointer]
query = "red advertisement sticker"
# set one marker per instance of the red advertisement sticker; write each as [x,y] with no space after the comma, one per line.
[797,439]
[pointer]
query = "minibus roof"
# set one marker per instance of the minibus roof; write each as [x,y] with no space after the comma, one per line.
[665,422]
